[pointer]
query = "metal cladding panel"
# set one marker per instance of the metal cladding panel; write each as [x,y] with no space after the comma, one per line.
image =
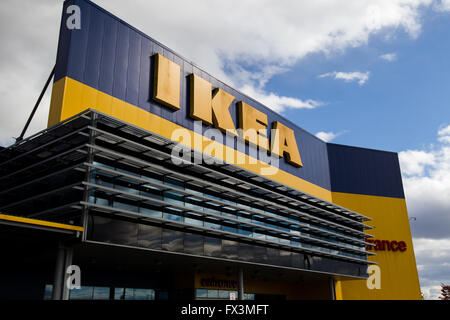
[364,171]
[62,55]
[111,56]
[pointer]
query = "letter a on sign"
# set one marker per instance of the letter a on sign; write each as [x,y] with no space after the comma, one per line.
[374,280]
[284,144]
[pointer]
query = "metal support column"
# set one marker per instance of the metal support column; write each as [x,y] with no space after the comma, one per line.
[59,275]
[332,289]
[63,260]
[88,177]
[67,262]
[240,284]
[20,138]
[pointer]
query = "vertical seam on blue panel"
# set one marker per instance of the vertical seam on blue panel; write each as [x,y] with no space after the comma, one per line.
[329,169]
[128,66]
[139,41]
[115,60]
[140,71]
[86,47]
[102,53]
[66,36]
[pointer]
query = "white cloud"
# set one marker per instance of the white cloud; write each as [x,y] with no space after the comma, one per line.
[276,31]
[444,134]
[29,30]
[433,264]
[426,180]
[443,5]
[389,56]
[279,103]
[431,292]
[252,84]
[327,136]
[361,77]
[414,162]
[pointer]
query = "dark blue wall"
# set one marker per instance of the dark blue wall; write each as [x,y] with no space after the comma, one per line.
[364,171]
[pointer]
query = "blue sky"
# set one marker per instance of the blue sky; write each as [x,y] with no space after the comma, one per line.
[401,104]
[317,62]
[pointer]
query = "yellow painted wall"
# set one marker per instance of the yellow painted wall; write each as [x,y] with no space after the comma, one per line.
[399,279]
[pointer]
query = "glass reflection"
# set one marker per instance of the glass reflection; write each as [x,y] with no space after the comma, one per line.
[101,293]
[196,201]
[212,294]
[134,294]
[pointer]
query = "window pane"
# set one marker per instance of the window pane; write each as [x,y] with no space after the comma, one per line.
[249,296]
[229,249]
[48,292]
[124,206]
[213,293]
[272,238]
[173,217]
[101,293]
[114,231]
[258,235]
[126,186]
[103,180]
[150,212]
[229,229]
[193,244]
[174,198]
[213,225]
[245,218]
[213,246]
[120,294]
[201,293]
[149,236]
[194,219]
[84,293]
[213,211]
[172,240]
[245,232]
[102,202]
[246,252]
[144,294]
[151,192]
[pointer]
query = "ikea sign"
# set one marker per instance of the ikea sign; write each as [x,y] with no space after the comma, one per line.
[211,106]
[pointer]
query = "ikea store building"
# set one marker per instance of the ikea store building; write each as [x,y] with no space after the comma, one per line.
[155,180]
